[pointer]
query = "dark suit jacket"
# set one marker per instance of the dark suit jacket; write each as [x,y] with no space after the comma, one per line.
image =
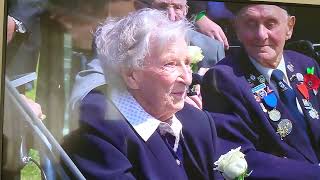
[240,120]
[213,50]
[107,147]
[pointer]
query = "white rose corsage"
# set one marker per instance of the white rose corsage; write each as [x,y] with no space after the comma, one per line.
[233,165]
[195,53]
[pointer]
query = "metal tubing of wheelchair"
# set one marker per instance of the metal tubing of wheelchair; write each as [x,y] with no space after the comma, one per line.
[36,123]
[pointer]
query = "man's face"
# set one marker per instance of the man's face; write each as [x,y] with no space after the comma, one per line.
[164,79]
[177,9]
[263,30]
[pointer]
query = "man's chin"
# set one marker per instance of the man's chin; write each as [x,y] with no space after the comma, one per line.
[264,56]
[179,105]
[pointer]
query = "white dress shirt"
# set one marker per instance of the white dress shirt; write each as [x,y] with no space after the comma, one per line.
[142,122]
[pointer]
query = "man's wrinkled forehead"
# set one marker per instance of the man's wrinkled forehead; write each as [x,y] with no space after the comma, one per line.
[179,2]
[263,11]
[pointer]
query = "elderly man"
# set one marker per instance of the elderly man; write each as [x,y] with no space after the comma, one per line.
[143,129]
[266,99]
[213,50]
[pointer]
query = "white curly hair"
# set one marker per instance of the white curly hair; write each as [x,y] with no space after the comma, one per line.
[125,42]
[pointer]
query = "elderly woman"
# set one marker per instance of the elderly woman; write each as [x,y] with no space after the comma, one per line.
[142,129]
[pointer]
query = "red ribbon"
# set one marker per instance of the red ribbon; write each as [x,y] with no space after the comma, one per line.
[303,90]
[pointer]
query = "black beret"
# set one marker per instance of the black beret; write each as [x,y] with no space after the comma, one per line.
[235,7]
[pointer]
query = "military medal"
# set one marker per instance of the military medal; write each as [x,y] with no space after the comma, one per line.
[314,113]
[284,128]
[270,100]
[274,115]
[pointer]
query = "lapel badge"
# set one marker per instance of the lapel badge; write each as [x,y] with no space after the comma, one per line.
[300,77]
[274,115]
[290,67]
[305,102]
[284,128]
[261,79]
[293,77]
[252,77]
[313,113]
[312,81]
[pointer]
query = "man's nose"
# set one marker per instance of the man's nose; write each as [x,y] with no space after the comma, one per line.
[262,32]
[172,13]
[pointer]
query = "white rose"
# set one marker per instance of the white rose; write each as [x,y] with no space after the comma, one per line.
[232,164]
[195,53]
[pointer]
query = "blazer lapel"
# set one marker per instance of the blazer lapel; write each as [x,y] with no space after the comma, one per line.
[190,161]
[313,123]
[296,139]
[160,150]
[188,154]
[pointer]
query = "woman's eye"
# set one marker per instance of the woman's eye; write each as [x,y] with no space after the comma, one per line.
[169,66]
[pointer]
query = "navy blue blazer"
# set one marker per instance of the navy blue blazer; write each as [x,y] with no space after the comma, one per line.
[107,147]
[240,120]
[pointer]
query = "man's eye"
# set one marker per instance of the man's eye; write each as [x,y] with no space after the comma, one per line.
[270,25]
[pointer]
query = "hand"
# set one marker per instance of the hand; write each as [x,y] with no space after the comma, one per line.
[195,100]
[213,30]
[11,28]
[35,107]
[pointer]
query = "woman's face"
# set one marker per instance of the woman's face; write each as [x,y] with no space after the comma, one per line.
[164,79]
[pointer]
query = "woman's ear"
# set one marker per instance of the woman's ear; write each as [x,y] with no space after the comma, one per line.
[130,78]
